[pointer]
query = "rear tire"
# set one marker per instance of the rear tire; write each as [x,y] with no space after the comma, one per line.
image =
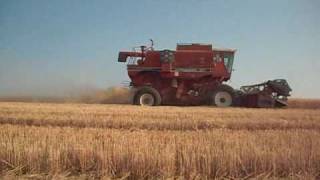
[147,96]
[223,96]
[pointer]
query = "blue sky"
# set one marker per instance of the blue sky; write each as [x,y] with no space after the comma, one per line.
[55,47]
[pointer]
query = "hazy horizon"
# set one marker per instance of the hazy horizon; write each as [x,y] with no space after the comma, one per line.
[57,48]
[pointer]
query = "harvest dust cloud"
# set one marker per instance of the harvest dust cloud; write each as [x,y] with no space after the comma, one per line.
[112,95]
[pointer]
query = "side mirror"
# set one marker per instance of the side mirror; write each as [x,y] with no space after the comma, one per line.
[122,57]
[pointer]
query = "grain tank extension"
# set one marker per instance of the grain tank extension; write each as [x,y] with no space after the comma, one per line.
[194,74]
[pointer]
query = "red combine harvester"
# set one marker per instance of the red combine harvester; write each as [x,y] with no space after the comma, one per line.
[193,74]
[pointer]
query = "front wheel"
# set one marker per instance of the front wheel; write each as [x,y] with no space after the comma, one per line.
[147,96]
[223,96]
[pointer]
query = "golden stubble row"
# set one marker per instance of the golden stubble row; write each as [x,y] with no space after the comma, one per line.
[156,118]
[152,153]
[158,142]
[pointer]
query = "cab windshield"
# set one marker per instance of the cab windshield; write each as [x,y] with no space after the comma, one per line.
[228,61]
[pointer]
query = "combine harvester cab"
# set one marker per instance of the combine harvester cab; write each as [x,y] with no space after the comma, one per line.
[193,74]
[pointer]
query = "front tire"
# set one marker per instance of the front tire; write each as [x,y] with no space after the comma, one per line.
[147,96]
[223,96]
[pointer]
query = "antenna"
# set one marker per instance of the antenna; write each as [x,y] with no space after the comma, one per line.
[151,44]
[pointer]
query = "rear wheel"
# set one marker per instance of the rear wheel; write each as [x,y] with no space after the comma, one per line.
[223,96]
[147,96]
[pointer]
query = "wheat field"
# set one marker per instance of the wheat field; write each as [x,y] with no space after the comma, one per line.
[91,141]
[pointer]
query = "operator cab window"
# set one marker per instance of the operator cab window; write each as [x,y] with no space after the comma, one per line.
[228,62]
